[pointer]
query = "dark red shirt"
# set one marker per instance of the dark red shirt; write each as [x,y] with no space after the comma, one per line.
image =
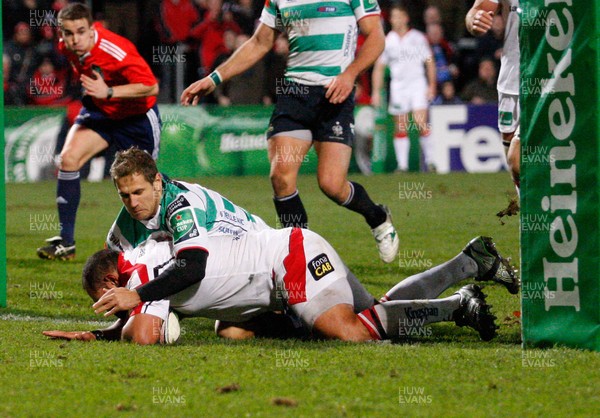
[119,63]
[178,18]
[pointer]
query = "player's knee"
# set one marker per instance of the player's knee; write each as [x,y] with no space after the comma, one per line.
[341,323]
[333,187]
[68,161]
[283,183]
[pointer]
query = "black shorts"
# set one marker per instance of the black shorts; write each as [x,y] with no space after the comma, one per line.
[142,131]
[305,113]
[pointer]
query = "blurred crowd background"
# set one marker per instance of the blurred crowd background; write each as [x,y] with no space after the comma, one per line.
[184,40]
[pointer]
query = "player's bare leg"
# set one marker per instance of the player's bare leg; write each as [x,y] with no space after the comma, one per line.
[332,171]
[340,322]
[513,156]
[80,146]
[401,141]
[286,155]
[420,118]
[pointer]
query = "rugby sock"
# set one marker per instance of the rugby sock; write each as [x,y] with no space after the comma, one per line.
[359,201]
[290,211]
[407,317]
[68,193]
[431,283]
[402,148]
[427,147]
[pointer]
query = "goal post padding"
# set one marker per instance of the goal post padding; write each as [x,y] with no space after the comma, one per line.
[3,280]
[560,137]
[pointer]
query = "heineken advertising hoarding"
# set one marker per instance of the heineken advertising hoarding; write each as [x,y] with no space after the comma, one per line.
[560,134]
[2,201]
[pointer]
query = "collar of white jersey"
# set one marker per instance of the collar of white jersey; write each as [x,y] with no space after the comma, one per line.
[154,222]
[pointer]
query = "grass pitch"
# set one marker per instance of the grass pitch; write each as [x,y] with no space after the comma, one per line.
[447,372]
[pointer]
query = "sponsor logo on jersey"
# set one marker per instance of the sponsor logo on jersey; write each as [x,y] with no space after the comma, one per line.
[183,226]
[506,118]
[320,266]
[371,6]
[422,313]
[326,9]
[174,206]
[115,241]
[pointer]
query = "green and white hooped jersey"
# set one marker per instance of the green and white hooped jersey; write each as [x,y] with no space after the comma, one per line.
[322,35]
[188,215]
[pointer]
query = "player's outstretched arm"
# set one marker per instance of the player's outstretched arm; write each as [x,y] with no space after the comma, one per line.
[112,333]
[341,86]
[242,59]
[480,17]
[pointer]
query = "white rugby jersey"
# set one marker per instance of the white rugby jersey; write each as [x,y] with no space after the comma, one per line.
[142,264]
[406,56]
[238,282]
[508,78]
[322,35]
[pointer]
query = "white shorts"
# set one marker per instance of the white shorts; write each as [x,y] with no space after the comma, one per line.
[313,279]
[509,113]
[408,100]
[288,269]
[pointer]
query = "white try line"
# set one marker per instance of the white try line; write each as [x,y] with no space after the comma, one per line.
[29,318]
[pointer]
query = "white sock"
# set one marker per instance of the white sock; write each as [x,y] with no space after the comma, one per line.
[433,282]
[402,148]
[427,148]
[403,317]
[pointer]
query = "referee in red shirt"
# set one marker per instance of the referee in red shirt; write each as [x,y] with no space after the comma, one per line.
[119,107]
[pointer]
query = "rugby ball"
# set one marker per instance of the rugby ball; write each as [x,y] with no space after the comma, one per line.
[170,329]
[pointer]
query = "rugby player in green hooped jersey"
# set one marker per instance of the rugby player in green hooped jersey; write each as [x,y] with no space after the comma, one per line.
[159,208]
[315,102]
